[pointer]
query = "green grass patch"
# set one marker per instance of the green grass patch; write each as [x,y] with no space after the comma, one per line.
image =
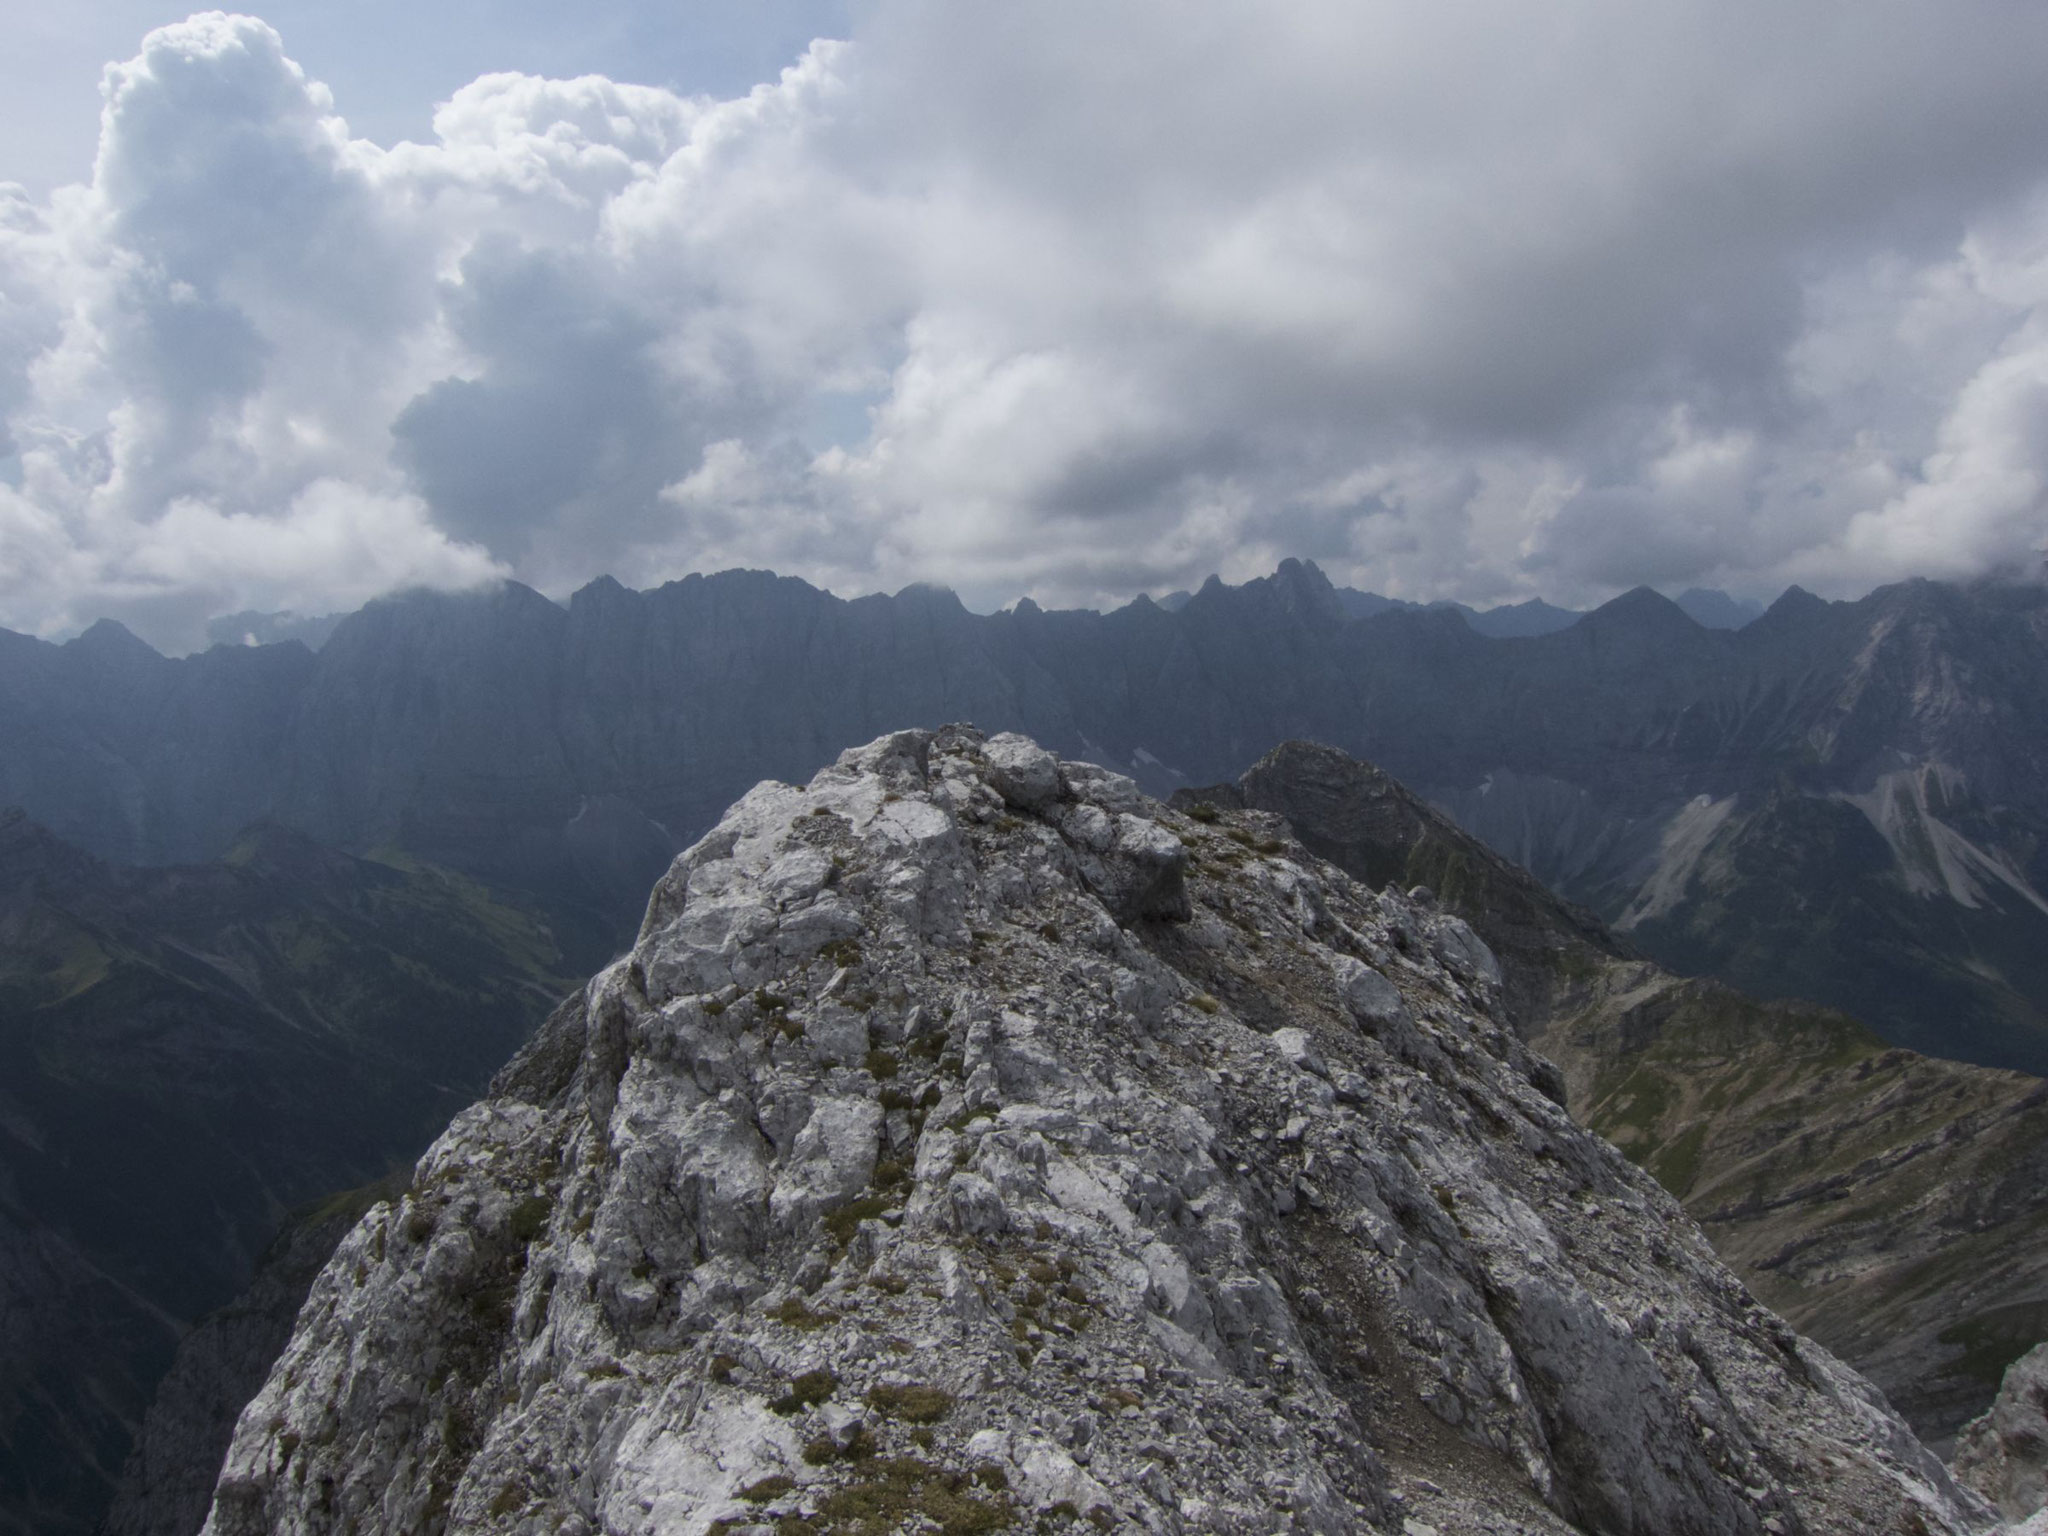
[1677,1165]
[794,1314]
[806,1391]
[904,1491]
[845,1221]
[912,1404]
[768,1489]
[822,1452]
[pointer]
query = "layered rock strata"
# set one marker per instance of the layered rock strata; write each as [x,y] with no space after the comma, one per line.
[971,1143]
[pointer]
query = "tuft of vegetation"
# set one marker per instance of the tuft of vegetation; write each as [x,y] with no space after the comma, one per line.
[843,1222]
[806,1391]
[1203,812]
[881,1065]
[967,1117]
[794,1314]
[768,1489]
[905,1492]
[510,1500]
[915,1404]
[823,1451]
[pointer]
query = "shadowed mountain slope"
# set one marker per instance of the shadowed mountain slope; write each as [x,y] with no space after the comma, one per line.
[185,1054]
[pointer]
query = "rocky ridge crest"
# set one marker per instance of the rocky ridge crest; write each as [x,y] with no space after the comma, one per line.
[1892,1206]
[970,1142]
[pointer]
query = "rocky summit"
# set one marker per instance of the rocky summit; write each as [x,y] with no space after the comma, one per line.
[970,1143]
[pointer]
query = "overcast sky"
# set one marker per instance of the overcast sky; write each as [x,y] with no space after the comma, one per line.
[1468,300]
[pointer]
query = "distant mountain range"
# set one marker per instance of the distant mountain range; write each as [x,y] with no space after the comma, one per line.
[1714,609]
[1511,621]
[1839,801]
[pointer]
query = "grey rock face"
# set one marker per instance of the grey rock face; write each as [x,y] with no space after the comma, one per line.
[2004,1454]
[892,1182]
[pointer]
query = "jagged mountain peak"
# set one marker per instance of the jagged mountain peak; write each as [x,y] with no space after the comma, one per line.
[115,640]
[931,596]
[1301,587]
[430,621]
[1795,607]
[1642,610]
[601,590]
[969,1142]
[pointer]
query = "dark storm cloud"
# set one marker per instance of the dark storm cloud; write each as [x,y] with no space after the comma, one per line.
[567,412]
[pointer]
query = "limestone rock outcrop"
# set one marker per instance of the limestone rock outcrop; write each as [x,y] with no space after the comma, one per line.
[2004,1453]
[969,1143]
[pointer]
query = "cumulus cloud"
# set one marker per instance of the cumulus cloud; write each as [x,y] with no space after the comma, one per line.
[1478,300]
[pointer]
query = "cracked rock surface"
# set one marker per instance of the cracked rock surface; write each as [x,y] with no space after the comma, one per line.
[970,1143]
